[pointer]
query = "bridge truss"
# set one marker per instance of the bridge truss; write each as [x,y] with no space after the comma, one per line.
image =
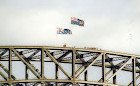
[80,66]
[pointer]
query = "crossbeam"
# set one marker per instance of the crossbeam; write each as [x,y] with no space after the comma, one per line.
[27,64]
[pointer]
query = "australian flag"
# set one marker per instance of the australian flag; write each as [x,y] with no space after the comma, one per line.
[77,21]
[63,31]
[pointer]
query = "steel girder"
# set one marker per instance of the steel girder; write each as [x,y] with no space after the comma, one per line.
[86,58]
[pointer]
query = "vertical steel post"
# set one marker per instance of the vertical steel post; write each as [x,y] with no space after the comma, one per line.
[26,71]
[42,65]
[73,65]
[86,77]
[10,65]
[26,74]
[56,73]
[114,78]
[103,68]
[134,71]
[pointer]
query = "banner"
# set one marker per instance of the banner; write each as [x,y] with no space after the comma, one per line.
[63,31]
[77,21]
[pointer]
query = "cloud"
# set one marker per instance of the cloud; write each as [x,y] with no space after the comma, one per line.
[110,25]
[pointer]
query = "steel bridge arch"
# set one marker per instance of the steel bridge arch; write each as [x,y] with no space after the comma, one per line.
[85,58]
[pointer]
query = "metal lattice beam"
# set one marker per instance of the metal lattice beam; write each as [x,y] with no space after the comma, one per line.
[67,55]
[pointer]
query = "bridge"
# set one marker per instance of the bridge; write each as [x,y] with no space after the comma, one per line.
[66,66]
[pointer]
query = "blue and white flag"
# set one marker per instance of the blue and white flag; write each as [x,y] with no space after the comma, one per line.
[63,31]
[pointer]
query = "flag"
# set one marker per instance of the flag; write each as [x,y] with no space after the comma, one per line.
[63,31]
[77,21]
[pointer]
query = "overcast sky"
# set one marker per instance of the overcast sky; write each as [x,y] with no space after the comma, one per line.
[109,24]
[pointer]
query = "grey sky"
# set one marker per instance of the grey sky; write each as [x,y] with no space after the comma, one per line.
[109,24]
